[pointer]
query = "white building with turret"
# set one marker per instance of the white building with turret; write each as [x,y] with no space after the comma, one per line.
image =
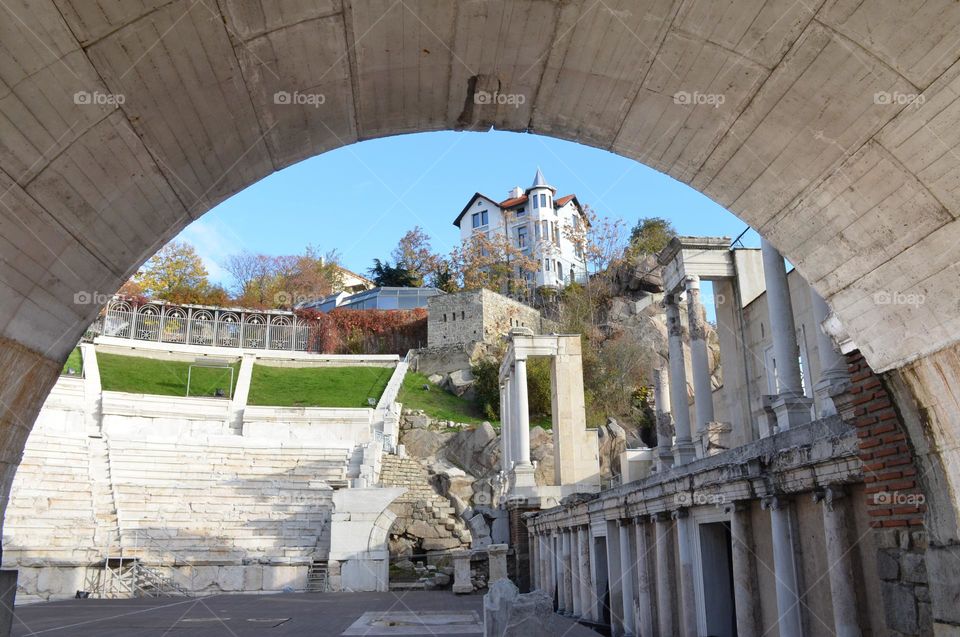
[536,221]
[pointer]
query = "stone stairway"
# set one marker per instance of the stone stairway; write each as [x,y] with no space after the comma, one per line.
[421,511]
[104,495]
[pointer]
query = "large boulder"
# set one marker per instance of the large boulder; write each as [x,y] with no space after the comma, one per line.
[423,443]
[460,382]
[476,451]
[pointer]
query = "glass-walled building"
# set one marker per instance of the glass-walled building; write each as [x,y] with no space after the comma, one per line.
[379,298]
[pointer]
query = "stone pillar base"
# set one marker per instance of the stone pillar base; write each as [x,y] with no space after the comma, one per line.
[792,409]
[522,475]
[684,452]
[461,573]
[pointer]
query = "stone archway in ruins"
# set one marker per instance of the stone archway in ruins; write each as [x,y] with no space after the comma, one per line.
[830,127]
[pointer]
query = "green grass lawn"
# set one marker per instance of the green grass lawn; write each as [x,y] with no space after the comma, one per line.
[73,361]
[139,375]
[437,402]
[317,386]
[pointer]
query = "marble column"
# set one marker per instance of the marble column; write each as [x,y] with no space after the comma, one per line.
[661,399]
[576,594]
[615,578]
[699,363]
[790,406]
[833,366]
[506,429]
[586,580]
[544,564]
[688,603]
[836,527]
[522,467]
[555,572]
[684,450]
[745,592]
[534,560]
[627,569]
[645,601]
[566,582]
[665,579]
[789,622]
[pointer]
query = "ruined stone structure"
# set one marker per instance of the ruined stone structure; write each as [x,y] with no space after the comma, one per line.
[830,127]
[805,520]
[477,316]
[211,494]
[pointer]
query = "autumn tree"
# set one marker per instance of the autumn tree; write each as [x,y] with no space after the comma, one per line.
[416,255]
[281,282]
[176,274]
[600,240]
[495,262]
[253,276]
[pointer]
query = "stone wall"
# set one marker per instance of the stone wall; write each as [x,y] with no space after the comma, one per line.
[476,316]
[894,500]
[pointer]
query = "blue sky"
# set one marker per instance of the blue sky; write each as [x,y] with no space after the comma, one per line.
[360,199]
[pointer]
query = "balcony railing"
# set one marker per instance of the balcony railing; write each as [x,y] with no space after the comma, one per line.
[199,325]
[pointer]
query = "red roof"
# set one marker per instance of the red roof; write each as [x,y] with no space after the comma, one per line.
[516,201]
[562,201]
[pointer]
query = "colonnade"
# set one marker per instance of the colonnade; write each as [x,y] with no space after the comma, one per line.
[652,584]
[789,406]
[515,426]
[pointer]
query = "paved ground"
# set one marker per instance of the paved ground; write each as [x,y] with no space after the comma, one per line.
[316,615]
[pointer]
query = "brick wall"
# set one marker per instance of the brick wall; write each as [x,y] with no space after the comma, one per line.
[518,561]
[895,501]
[894,497]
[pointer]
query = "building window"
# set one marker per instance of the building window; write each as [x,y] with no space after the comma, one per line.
[480,219]
[546,265]
[476,220]
[444,318]
[543,200]
[462,315]
[521,211]
[571,274]
[522,237]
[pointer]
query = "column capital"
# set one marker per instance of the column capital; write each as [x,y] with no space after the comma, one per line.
[691,281]
[679,514]
[736,506]
[828,495]
[775,502]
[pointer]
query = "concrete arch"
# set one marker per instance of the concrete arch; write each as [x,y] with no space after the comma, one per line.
[829,126]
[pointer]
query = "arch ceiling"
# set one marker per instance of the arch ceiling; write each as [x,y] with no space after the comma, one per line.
[829,126]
